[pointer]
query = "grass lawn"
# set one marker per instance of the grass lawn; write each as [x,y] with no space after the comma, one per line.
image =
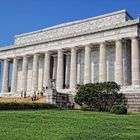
[68,125]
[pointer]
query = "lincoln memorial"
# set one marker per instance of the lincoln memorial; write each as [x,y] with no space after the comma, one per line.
[102,48]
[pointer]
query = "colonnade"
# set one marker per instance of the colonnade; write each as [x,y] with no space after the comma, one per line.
[71,67]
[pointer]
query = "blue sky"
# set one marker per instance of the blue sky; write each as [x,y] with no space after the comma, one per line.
[20,16]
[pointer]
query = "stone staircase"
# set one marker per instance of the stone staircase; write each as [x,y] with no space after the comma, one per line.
[133,102]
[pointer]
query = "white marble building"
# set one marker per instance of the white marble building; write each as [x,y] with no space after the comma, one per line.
[103,48]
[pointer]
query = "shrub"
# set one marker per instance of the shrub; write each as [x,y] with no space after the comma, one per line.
[20,106]
[85,108]
[99,96]
[119,109]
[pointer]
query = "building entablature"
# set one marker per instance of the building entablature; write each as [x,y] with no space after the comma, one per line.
[94,38]
[90,25]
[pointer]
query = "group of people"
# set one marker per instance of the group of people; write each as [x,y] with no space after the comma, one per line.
[38,93]
[23,94]
[35,94]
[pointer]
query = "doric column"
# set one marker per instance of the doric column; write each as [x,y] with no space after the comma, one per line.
[73,72]
[24,73]
[5,80]
[135,61]
[35,72]
[102,63]
[78,66]
[119,62]
[14,76]
[0,72]
[87,69]
[54,67]
[67,73]
[46,70]
[60,70]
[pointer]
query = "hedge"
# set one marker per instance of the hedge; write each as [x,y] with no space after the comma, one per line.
[22,106]
[119,109]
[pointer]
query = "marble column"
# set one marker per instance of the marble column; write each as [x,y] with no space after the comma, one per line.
[119,62]
[73,71]
[54,67]
[135,61]
[87,68]
[35,72]
[14,76]
[67,73]
[102,63]
[0,73]
[60,70]
[24,73]
[46,70]
[5,79]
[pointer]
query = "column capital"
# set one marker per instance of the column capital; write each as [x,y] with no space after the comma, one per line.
[47,52]
[88,45]
[68,53]
[36,54]
[74,48]
[54,56]
[119,40]
[134,37]
[25,56]
[102,43]
[8,59]
[60,50]
[17,57]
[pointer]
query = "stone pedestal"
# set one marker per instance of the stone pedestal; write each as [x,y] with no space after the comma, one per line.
[51,96]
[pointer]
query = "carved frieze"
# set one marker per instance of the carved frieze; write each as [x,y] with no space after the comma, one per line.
[73,29]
